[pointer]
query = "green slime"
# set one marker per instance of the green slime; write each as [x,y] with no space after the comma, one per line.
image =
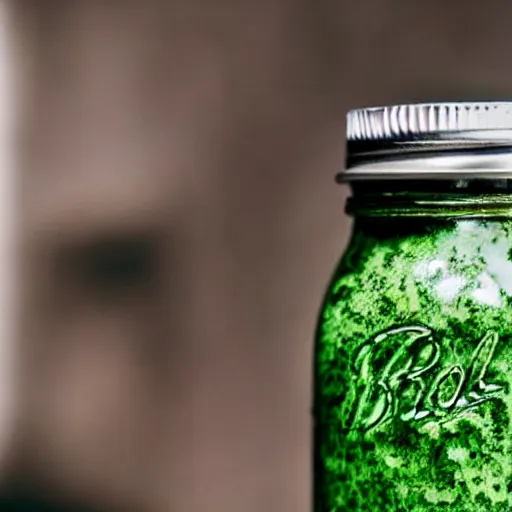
[413,369]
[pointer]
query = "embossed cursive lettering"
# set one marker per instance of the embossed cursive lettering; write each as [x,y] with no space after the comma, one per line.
[400,373]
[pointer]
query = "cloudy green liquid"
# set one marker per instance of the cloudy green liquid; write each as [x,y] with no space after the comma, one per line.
[413,403]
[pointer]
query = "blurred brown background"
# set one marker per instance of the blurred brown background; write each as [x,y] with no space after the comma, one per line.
[178,223]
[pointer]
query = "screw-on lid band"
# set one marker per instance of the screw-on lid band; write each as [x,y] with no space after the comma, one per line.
[401,122]
[423,140]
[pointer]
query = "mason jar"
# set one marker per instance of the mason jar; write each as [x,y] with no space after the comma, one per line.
[413,355]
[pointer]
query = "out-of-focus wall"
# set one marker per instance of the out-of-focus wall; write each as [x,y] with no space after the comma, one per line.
[8,280]
[201,139]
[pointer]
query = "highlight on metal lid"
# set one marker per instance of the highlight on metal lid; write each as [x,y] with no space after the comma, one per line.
[430,141]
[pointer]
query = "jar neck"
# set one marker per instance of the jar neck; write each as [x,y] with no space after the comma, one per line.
[478,198]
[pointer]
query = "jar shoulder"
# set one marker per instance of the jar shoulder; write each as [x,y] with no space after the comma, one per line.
[457,276]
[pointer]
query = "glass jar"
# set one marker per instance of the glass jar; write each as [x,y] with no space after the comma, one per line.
[413,357]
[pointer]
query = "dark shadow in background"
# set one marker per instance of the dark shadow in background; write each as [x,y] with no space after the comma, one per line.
[27,501]
[26,504]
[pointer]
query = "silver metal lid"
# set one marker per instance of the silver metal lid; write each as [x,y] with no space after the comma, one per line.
[430,141]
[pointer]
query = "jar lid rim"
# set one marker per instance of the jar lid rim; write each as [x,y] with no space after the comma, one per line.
[415,133]
[401,122]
